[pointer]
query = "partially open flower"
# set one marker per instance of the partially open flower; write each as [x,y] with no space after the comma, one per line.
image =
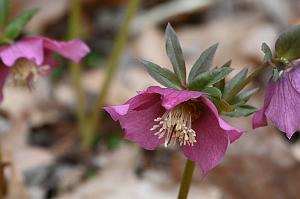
[32,56]
[282,102]
[168,116]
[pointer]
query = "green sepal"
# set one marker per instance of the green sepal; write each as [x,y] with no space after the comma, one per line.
[221,104]
[287,46]
[244,96]
[4,12]
[212,91]
[241,111]
[161,75]
[203,63]
[234,82]
[275,74]
[209,78]
[175,54]
[14,29]
[267,51]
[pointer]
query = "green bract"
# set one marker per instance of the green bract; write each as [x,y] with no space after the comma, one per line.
[202,78]
[275,75]
[287,46]
[162,75]
[240,111]
[203,63]
[175,54]
[212,91]
[234,82]
[4,12]
[267,51]
[13,30]
[221,104]
[209,78]
[244,96]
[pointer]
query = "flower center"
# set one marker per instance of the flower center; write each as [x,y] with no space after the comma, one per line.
[24,72]
[176,125]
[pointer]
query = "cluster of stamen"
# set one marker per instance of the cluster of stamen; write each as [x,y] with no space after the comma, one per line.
[176,126]
[25,72]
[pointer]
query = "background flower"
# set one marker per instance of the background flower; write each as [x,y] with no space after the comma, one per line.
[282,103]
[33,55]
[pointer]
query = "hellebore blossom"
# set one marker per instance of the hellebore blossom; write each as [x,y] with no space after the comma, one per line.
[282,102]
[32,56]
[168,116]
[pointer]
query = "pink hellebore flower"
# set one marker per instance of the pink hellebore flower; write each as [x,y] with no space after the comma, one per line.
[31,56]
[282,103]
[165,115]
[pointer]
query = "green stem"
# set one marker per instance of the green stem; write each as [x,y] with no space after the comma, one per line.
[112,66]
[74,32]
[189,166]
[186,179]
[2,176]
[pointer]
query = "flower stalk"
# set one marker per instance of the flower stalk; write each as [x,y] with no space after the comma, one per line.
[74,32]
[186,180]
[112,66]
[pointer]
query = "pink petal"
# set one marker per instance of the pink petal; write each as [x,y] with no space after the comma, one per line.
[143,100]
[73,49]
[116,112]
[49,58]
[137,125]
[259,118]
[232,132]
[295,76]
[171,97]
[137,116]
[29,48]
[3,74]
[212,142]
[284,107]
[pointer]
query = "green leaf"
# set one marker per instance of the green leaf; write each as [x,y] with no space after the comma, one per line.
[287,46]
[161,75]
[267,51]
[244,96]
[14,29]
[212,91]
[241,111]
[4,12]
[275,75]
[221,104]
[234,82]
[203,63]
[209,78]
[175,54]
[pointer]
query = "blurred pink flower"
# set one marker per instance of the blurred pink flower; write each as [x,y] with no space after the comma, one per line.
[165,115]
[32,56]
[282,103]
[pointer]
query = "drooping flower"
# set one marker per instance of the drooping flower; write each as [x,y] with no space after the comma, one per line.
[282,102]
[32,56]
[168,116]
